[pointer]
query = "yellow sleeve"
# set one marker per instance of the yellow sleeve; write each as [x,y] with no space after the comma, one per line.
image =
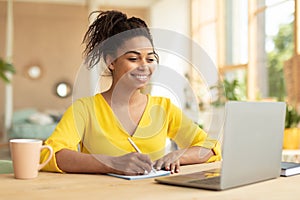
[217,153]
[67,134]
[186,133]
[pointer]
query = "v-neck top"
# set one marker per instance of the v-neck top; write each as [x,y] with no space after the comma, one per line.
[89,125]
[114,118]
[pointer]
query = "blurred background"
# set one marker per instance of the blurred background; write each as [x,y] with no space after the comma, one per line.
[253,45]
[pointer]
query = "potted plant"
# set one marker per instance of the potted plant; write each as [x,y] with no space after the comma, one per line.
[291,139]
[4,68]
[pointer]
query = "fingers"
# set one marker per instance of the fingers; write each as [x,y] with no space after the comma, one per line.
[174,166]
[138,164]
[143,164]
[158,165]
[169,162]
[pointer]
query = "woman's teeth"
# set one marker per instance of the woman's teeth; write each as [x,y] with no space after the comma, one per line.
[141,77]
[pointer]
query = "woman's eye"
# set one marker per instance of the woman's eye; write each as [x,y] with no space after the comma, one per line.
[132,59]
[151,60]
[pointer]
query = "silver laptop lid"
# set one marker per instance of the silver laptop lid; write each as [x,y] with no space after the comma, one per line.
[253,133]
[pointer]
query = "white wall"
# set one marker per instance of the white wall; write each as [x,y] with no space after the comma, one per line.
[173,16]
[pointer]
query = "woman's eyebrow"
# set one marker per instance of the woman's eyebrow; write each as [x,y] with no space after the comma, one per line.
[134,52]
[138,53]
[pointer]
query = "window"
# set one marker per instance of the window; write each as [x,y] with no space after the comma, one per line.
[279,44]
[249,41]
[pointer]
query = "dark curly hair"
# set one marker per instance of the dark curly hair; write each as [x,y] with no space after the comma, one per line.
[110,24]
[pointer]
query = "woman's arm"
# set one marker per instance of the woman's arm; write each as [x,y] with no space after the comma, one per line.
[195,155]
[72,161]
[77,162]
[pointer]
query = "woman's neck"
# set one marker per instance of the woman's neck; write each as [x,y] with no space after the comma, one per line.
[121,96]
[127,107]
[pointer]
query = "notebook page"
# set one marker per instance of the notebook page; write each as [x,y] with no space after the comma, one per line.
[150,175]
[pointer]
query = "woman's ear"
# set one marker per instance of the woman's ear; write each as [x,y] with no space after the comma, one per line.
[109,62]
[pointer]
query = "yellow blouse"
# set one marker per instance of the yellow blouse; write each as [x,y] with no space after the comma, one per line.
[90,126]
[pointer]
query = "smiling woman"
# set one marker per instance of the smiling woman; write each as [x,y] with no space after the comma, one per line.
[101,124]
[136,59]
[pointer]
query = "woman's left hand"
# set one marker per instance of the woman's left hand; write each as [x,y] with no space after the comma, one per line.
[169,162]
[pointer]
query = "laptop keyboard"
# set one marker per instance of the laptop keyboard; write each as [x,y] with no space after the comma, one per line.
[208,181]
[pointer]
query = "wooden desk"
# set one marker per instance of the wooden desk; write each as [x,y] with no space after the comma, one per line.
[84,186]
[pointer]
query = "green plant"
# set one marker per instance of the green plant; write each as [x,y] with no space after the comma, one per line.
[292,117]
[283,50]
[232,90]
[227,90]
[4,68]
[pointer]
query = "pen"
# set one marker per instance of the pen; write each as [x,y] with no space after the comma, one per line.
[137,150]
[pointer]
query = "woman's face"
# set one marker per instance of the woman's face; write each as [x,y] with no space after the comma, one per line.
[135,62]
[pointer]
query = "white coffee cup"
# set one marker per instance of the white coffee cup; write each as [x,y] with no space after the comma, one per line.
[25,154]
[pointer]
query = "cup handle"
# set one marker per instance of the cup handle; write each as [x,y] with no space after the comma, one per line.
[49,157]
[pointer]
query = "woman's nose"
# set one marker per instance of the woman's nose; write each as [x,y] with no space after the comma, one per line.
[143,67]
[143,62]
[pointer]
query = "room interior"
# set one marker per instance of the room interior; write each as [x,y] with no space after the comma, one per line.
[46,51]
[54,31]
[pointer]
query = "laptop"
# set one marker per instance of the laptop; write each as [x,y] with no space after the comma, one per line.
[251,148]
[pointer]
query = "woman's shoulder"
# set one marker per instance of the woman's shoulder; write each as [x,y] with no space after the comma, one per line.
[84,104]
[85,99]
[88,101]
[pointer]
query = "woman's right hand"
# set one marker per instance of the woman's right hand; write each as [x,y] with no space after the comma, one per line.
[130,164]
